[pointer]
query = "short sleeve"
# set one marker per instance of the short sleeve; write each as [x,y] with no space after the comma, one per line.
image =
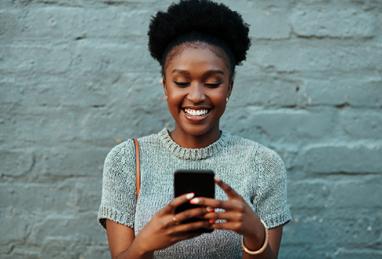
[270,198]
[118,186]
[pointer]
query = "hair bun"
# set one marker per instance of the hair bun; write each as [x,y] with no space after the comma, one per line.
[201,16]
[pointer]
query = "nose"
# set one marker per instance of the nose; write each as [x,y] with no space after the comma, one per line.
[196,93]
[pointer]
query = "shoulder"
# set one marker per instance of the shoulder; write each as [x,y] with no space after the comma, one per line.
[264,157]
[126,150]
[119,160]
[261,150]
[120,151]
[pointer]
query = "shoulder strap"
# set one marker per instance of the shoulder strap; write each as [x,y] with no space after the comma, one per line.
[137,168]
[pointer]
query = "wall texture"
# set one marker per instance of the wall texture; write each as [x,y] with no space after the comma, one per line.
[76,79]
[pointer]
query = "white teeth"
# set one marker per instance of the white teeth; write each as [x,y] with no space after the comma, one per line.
[196,112]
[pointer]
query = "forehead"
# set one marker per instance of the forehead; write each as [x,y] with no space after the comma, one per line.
[197,56]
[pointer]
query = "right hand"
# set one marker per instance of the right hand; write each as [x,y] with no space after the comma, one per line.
[165,228]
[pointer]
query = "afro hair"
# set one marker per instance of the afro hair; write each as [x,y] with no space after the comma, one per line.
[201,17]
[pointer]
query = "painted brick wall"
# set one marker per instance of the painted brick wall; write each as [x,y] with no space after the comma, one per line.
[76,79]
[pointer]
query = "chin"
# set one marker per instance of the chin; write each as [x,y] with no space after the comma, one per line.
[196,130]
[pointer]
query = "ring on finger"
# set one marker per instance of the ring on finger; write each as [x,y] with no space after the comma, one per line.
[174,221]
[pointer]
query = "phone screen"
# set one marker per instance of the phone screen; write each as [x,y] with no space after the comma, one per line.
[200,182]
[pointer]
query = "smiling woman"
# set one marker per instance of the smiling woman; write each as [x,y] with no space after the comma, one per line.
[197,85]
[198,43]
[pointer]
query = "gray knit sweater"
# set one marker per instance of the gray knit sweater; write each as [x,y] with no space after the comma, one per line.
[254,171]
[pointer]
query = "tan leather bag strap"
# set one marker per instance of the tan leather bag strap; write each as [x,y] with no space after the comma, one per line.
[137,168]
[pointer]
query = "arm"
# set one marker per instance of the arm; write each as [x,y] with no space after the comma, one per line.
[272,249]
[122,242]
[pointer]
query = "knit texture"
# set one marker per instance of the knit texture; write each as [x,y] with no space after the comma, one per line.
[253,170]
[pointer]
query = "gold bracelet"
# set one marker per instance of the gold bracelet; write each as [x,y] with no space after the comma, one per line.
[262,248]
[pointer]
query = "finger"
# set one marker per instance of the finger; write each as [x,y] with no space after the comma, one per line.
[231,193]
[213,203]
[229,216]
[190,227]
[233,226]
[191,213]
[170,207]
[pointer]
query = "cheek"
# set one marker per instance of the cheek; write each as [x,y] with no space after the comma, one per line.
[174,99]
[218,99]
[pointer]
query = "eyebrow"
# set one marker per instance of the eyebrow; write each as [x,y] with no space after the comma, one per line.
[212,71]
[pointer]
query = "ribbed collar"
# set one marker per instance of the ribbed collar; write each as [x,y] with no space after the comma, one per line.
[192,153]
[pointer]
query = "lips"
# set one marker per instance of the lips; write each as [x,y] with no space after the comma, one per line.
[196,114]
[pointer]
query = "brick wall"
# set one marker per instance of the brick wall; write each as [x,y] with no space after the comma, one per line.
[76,78]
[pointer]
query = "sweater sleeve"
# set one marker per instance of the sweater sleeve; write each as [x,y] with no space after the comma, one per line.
[118,186]
[270,198]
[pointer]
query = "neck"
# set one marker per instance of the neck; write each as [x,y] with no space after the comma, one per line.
[186,140]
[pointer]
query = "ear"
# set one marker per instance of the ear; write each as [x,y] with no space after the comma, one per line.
[164,86]
[230,89]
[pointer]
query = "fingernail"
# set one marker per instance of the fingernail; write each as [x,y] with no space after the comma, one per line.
[218,179]
[195,201]
[209,209]
[190,195]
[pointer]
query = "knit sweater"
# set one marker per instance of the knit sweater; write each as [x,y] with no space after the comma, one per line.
[257,173]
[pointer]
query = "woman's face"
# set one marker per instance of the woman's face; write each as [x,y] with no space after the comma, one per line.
[197,84]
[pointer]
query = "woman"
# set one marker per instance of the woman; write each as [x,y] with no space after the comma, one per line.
[198,44]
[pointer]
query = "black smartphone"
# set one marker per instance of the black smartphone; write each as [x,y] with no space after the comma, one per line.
[200,182]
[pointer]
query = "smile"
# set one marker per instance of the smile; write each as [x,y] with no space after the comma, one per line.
[196,112]
[196,115]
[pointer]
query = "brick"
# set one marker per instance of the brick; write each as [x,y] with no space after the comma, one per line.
[316,194]
[97,57]
[78,227]
[28,58]
[16,163]
[333,21]
[299,233]
[14,230]
[337,226]
[316,56]
[59,247]
[319,194]
[45,125]
[361,124]
[301,251]
[270,91]
[359,90]
[37,91]
[267,20]
[96,252]
[357,193]
[112,22]
[85,194]
[35,197]
[342,158]
[83,23]
[87,124]
[280,126]
[346,253]
[21,252]
[69,162]
[9,24]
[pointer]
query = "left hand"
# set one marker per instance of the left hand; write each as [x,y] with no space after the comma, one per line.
[237,215]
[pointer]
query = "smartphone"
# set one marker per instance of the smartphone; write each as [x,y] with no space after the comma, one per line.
[200,182]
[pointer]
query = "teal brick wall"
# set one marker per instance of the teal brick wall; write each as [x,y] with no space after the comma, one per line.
[76,78]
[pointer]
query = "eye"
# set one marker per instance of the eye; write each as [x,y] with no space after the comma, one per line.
[181,84]
[213,85]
